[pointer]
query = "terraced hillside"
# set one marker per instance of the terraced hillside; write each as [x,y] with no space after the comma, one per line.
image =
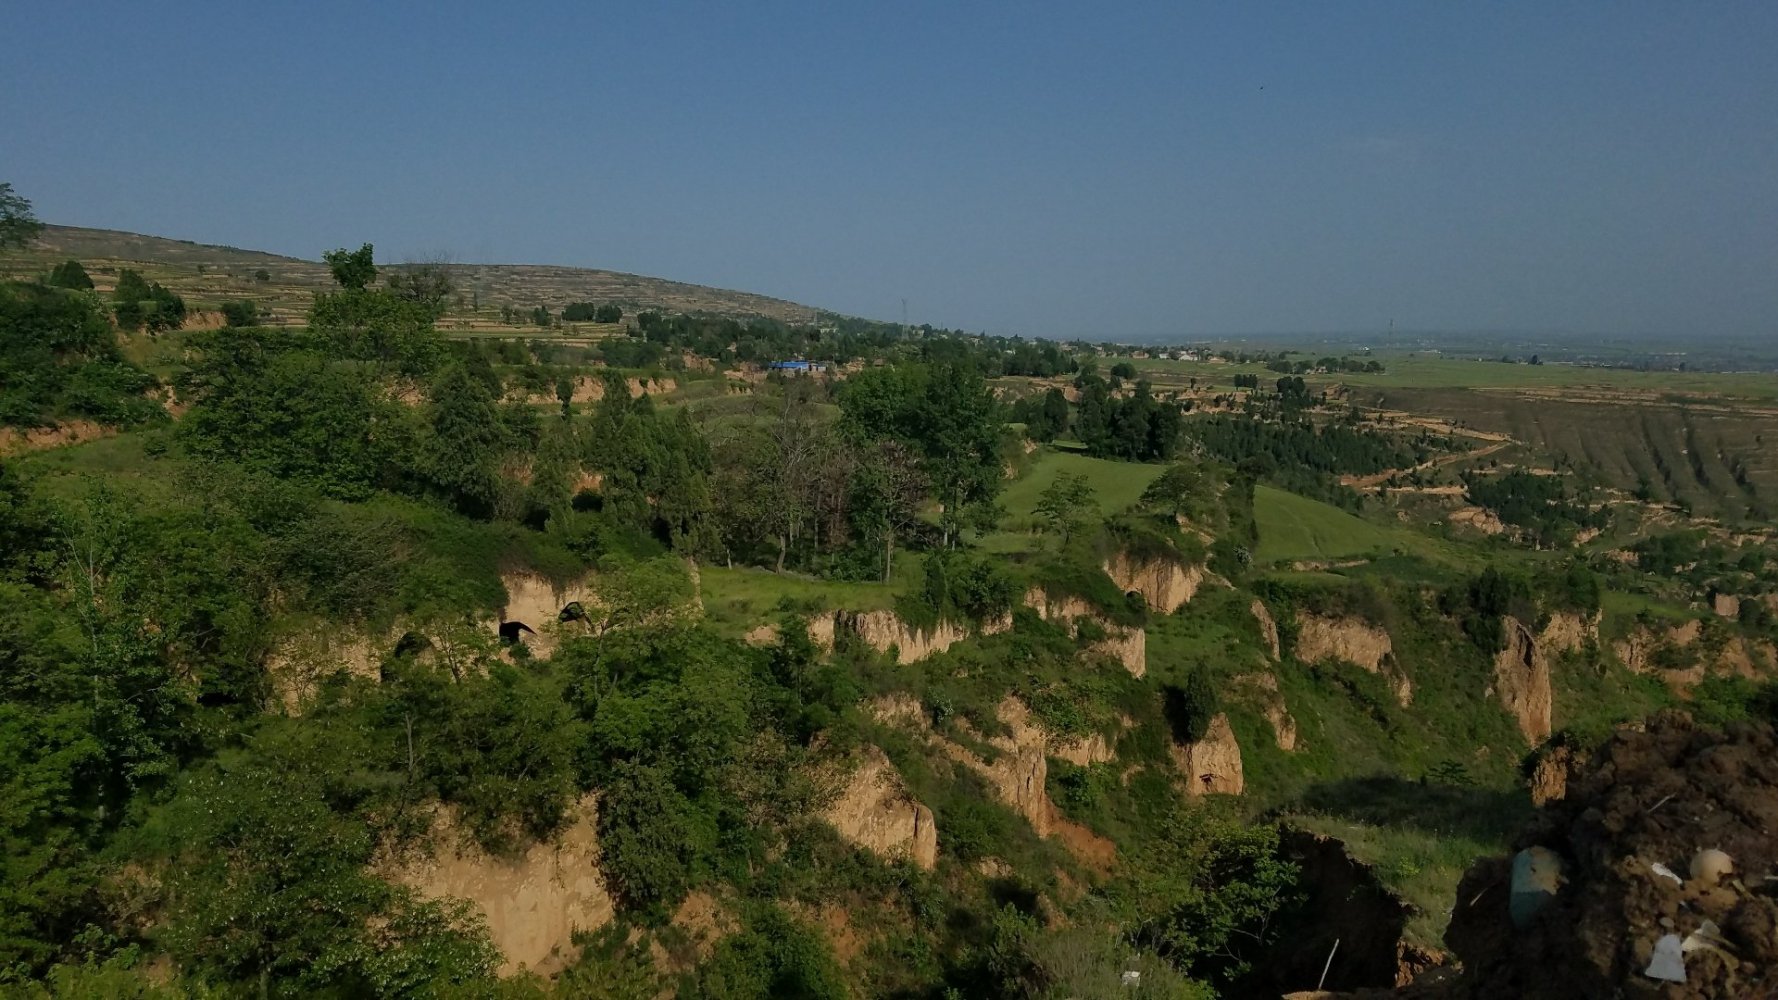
[1709,453]
[208,275]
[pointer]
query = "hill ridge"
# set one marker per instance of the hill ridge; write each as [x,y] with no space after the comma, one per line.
[211,273]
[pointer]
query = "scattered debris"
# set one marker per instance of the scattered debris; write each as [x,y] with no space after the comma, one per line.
[1665,872]
[1598,936]
[1668,962]
[1711,866]
[1537,877]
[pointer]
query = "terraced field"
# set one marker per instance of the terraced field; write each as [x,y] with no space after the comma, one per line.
[1709,453]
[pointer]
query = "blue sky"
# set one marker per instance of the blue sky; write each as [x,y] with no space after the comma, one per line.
[1041,168]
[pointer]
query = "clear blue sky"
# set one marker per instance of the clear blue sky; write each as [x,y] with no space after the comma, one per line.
[1040,168]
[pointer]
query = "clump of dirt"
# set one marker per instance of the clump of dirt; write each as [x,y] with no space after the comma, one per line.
[1345,931]
[1647,798]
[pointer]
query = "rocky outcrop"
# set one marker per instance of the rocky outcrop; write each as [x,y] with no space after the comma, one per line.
[1321,637]
[1725,605]
[1522,681]
[1263,687]
[1268,628]
[1551,773]
[1125,644]
[1165,584]
[875,811]
[1212,765]
[534,903]
[1566,632]
[1522,668]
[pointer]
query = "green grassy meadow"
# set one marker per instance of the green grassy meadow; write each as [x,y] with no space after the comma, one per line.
[1116,485]
[1295,527]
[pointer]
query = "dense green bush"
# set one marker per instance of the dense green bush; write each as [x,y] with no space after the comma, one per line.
[59,359]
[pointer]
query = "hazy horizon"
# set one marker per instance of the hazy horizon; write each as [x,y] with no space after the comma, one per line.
[1135,172]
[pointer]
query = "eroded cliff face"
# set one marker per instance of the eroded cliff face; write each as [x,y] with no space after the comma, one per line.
[538,601]
[875,811]
[1212,765]
[588,389]
[1019,771]
[1644,649]
[1126,645]
[1321,637]
[1165,584]
[299,662]
[820,629]
[1084,751]
[884,630]
[535,903]
[1263,688]
[1522,681]
[1566,632]
[1268,628]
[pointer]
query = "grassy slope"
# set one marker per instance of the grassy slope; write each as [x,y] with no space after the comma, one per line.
[1116,485]
[1295,527]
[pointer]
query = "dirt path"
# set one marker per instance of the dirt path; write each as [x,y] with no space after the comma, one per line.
[1373,481]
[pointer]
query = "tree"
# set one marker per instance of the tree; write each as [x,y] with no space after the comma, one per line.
[888,487]
[260,402]
[262,276]
[462,453]
[608,313]
[540,316]
[1181,491]
[1064,503]
[59,357]
[352,269]
[140,303]
[366,324]
[17,225]
[241,313]
[427,284]
[69,274]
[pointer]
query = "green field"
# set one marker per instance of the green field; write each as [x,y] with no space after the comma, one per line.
[1294,527]
[739,598]
[1116,485]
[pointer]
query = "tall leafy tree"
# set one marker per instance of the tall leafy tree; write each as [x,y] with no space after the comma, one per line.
[1063,504]
[70,274]
[17,225]
[888,487]
[465,443]
[353,270]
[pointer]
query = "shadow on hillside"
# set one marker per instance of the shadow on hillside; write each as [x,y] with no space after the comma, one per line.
[1486,814]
